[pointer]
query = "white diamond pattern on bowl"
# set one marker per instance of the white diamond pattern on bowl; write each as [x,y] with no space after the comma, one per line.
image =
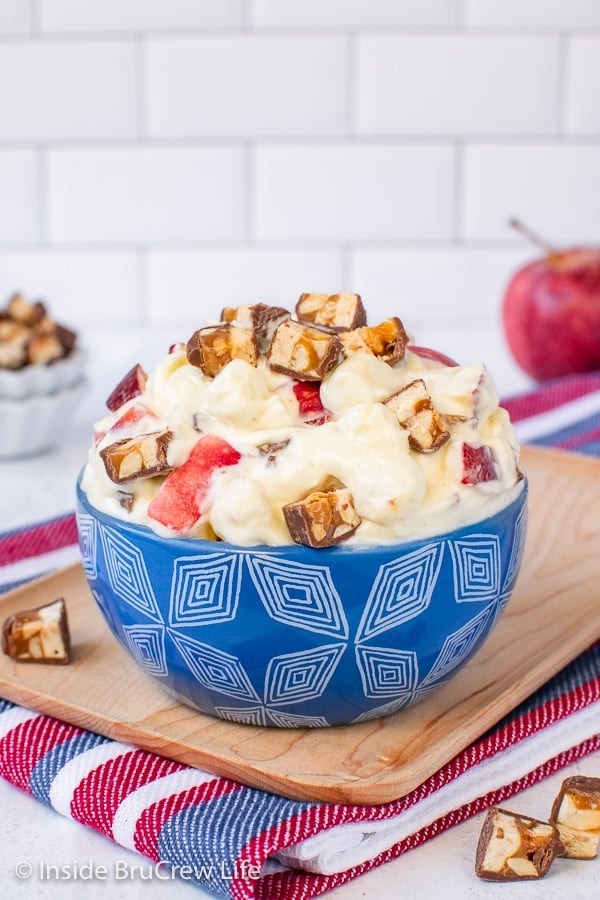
[205,591]
[88,536]
[518,549]
[476,568]
[215,669]
[147,644]
[295,677]
[387,672]
[300,595]
[459,645]
[127,573]
[401,591]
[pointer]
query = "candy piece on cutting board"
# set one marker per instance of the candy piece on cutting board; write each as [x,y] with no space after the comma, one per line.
[179,500]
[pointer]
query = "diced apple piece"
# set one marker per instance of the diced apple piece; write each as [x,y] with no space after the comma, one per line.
[179,501]
[131,385]
[310,407]
[479,464]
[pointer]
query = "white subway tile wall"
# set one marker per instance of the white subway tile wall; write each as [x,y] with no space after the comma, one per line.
[160,159]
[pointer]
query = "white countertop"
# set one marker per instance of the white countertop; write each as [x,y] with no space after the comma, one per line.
[43,486]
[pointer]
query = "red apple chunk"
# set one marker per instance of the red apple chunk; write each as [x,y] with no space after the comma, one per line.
[131,385]
[479,464]
[179,501]
[309,402]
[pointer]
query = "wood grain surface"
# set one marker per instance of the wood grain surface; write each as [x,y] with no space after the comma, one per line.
[553,616]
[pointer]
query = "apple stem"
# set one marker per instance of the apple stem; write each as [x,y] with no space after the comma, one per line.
[532,236]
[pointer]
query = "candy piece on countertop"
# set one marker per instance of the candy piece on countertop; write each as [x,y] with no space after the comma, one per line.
[576,814]
[210,349]
[131,385]
[479,464]
[387,340]
[142,456]
[38,635]
[417,414]
[323,518]
[513,847]
[179,500]
[310,407]
[304,352]
[341,312]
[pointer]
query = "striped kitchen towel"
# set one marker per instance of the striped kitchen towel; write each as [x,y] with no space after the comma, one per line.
[239,842]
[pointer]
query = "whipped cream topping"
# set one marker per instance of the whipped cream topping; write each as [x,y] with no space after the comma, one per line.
[398,492]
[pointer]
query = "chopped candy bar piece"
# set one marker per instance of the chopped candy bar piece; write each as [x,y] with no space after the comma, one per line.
[21,310]
[126,500]
[137,457]
[309,403]
[38,635]
[341,312]
[260,317]
[513,847]
[270,450]
[44,348]
[387,341]
[13,344]
[131,385]
[211,348]
[576,814]
[28,336]
[322,519]
[179,501]
[415,411]
[479,464]
[304,352]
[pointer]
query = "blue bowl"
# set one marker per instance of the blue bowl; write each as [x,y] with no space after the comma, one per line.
[295,637]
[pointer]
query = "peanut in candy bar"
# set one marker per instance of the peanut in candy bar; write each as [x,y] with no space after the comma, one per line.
[322,519]
[387,340]
[340,312]
[513,847]
[137,457]
[304,352]
[417,414]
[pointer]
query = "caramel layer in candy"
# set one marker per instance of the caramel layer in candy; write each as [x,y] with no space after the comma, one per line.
[137,457]
[38,635]
[342,312]
[513,847]
[211,348]
[304,352]
[322,519]
[576,814]
[260,317]
[387,340]
[417,414]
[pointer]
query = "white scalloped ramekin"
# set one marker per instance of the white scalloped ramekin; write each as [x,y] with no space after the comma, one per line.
[33,424]
[17,384]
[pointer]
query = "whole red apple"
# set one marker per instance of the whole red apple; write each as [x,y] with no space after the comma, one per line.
[551,312]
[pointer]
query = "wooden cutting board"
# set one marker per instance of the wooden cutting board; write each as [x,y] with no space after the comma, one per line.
[553,616]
